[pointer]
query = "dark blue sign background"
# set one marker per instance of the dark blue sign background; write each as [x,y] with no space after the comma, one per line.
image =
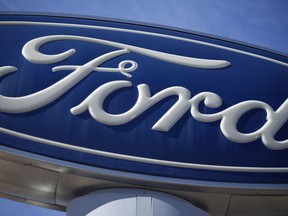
[188,141]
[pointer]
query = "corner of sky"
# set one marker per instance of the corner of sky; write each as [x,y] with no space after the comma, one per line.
[260,22]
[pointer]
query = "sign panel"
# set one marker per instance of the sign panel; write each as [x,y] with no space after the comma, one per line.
[143,99]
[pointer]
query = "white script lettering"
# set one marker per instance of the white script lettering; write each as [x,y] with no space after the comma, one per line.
[94,102]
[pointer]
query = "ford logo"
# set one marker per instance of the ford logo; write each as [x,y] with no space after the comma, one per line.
[143,99]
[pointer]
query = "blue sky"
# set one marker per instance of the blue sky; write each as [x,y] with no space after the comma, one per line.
[260,22]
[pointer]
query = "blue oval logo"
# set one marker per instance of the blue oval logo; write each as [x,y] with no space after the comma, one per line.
[143,99]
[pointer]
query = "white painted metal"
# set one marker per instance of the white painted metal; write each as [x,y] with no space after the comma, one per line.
[52,184]
[131,202]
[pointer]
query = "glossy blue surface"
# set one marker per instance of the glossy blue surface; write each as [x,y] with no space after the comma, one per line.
[189,141]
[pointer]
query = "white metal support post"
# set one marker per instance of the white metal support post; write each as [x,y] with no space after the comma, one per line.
[131,202]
